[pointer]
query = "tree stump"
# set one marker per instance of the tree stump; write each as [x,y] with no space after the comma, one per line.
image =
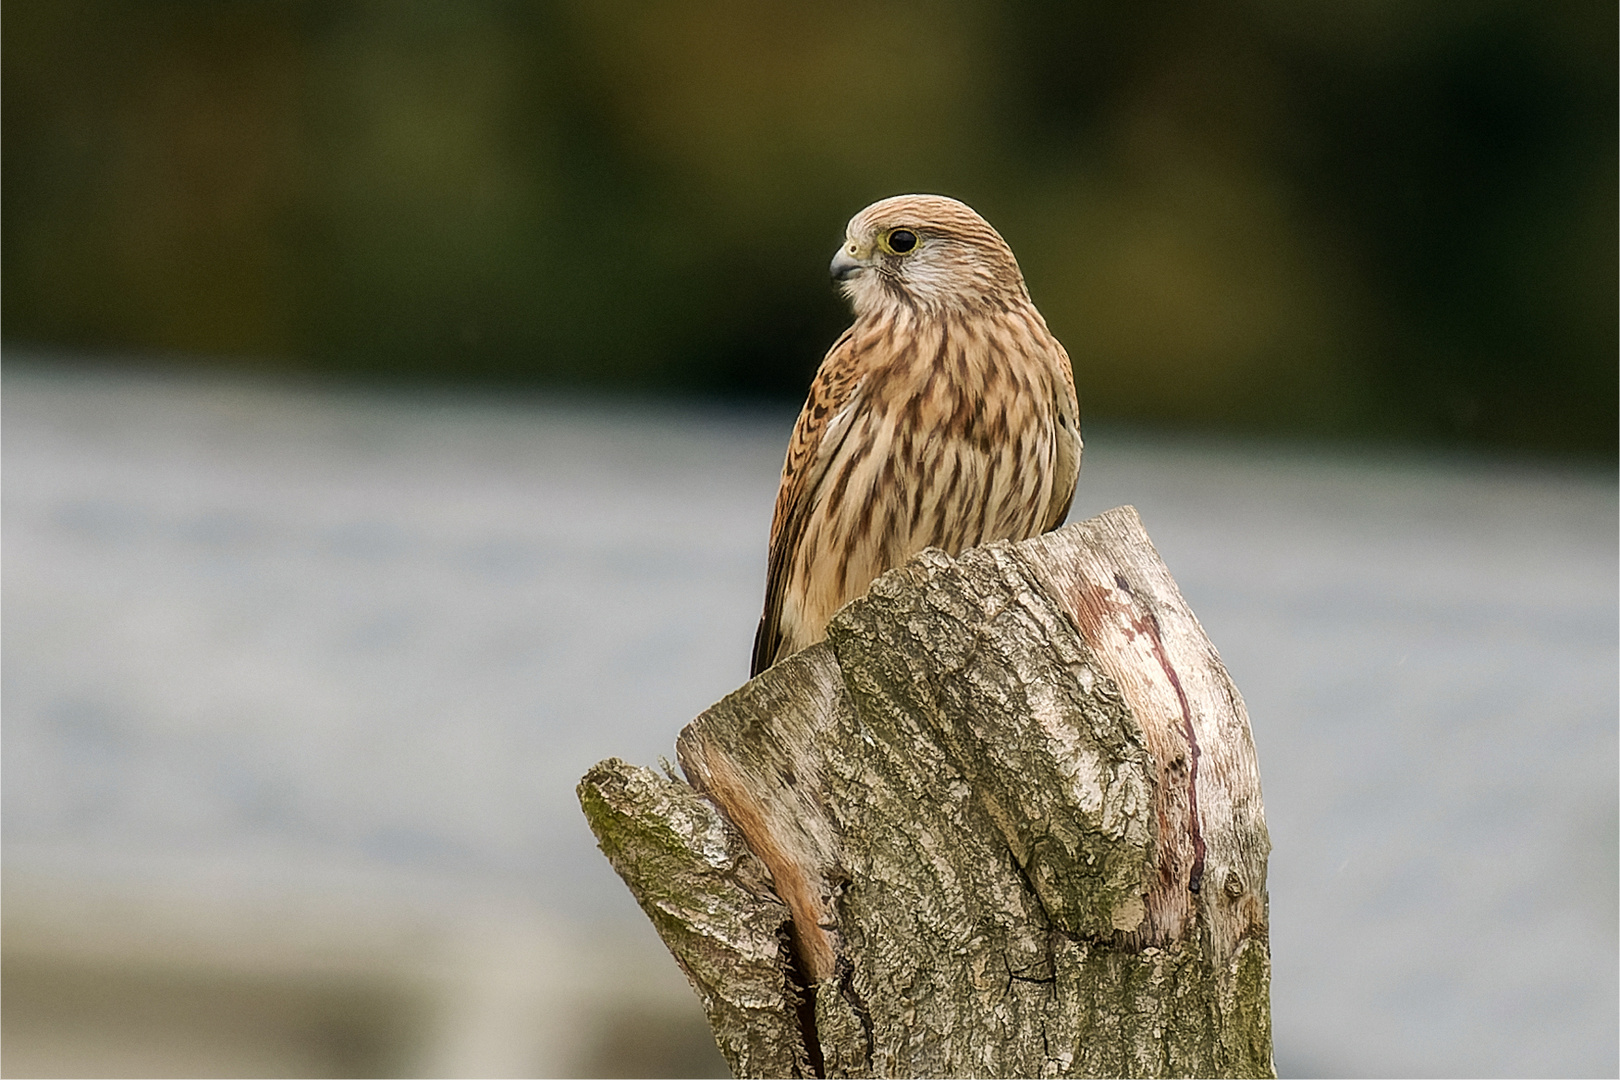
[1005,821]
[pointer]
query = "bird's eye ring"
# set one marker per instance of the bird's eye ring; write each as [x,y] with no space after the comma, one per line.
[900,241]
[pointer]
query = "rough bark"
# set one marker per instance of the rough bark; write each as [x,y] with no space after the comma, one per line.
[1006,821]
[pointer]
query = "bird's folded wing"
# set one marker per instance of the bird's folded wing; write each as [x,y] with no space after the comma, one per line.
[828,411]
[1066,442]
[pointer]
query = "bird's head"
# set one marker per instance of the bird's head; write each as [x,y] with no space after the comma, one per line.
[926,252]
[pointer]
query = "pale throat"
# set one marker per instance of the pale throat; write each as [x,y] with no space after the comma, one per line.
[931,290]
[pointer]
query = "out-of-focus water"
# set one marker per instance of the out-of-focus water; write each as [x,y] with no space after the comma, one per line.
[269,629]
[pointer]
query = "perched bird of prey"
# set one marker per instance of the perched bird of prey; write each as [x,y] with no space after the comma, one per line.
[944,417]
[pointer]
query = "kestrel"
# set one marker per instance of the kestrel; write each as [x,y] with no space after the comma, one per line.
[945,416]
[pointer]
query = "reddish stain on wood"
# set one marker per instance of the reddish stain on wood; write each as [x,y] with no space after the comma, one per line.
[1112,618]
[1149,625]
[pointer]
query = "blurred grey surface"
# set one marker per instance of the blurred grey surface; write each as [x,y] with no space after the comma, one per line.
[298,683]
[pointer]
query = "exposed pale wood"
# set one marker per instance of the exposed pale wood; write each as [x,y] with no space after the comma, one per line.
[1129,610]
[1012,815]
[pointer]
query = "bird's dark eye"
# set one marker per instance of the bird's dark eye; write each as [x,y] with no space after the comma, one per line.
[902,241]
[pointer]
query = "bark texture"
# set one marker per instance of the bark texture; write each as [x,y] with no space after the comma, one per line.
[1006,821]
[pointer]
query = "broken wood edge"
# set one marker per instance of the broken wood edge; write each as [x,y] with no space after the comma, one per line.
[791,835]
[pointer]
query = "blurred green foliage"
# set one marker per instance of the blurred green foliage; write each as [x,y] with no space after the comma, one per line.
[1387,217]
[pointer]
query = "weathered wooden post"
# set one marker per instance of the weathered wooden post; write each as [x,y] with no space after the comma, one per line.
[1006,821]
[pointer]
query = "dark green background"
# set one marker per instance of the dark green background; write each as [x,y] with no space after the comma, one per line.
[1376,218]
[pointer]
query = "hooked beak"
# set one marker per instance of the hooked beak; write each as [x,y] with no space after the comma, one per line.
[845,265]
